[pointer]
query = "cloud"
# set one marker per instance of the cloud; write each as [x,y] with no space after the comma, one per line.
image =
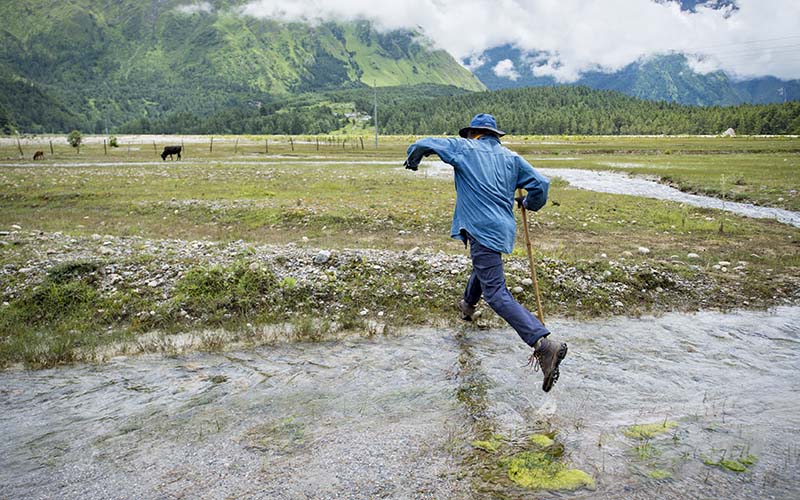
[195,8]
[568,37]
[505,69]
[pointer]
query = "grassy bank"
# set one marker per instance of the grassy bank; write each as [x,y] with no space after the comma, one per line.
[103,249]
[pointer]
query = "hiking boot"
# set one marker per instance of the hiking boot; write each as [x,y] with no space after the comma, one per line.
[548,356]
[466,310]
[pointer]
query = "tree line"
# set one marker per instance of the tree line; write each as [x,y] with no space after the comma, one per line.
[435,109]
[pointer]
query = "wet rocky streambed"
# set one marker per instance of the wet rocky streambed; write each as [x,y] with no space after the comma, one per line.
[676,406]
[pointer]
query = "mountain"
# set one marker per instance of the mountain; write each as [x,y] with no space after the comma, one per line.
[660,78]
[97,65]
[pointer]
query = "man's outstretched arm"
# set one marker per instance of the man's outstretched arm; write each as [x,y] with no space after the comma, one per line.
[446,149]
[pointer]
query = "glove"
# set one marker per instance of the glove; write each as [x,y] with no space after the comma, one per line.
[410,166]
[520,202]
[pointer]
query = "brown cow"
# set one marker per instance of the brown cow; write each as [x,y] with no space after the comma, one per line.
[39,155]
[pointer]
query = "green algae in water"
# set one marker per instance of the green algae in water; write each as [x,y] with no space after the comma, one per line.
[541,440]
[491,445]
[647,431]
[538,470]
[740,464]
[659,474]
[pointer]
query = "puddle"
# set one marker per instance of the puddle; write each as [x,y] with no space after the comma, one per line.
[384,417]
[621,183]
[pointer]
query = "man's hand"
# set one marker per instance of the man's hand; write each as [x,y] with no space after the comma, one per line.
[520,200]
[410,166]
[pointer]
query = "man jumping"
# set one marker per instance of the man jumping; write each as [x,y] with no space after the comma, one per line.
[486,177]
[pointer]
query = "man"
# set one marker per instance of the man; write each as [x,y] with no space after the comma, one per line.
[486,177]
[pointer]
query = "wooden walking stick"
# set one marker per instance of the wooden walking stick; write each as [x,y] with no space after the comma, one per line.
[539,313]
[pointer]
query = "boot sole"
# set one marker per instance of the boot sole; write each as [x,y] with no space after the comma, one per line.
[550,380]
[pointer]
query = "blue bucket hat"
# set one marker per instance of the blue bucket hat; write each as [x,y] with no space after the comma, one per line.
[482,121]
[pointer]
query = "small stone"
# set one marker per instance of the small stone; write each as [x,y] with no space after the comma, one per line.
[659,289]
[527,282]
[724,263]
[380,314]
[517,289]
[674,257]
[644,250]
[603,255]
[322,257]
[96,237]
[692,255]
[363,312]
[16,227]
[304,238]
[618,304]
[414,251]
[627,254]
[6,304]
[106,250]
[153,283]
[254,267]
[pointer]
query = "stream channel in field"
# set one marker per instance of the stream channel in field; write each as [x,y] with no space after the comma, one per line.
[394,416]
[623,183]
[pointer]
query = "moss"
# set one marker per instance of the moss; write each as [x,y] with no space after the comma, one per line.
[537,470]
[491,445]
[740,464]
[648,431]
[732,465]
[541,440]
[659,474]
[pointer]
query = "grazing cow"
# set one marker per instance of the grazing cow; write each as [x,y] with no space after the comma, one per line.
[39,155]
[171,150]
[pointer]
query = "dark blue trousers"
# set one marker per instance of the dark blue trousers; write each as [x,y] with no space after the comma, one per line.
[488,279]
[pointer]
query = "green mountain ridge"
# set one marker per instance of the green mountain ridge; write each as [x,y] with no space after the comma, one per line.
[98,65]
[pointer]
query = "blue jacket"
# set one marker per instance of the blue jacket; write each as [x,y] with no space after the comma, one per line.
[486,177]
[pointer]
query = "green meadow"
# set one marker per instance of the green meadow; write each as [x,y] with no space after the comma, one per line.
[337,193]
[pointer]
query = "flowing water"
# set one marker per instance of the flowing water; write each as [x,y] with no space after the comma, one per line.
[387,416]
[622,183]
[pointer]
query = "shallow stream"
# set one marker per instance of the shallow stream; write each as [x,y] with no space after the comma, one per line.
[387,416]
[622,183]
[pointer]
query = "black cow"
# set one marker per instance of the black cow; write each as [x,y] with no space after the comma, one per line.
[171,150]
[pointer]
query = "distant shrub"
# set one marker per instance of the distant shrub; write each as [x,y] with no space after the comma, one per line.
[74,139]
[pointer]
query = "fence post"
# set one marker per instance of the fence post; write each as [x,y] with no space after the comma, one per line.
[362,142]
[155,149]
[19,146]
[236,146]
[291,141]
[266,146]
[51,148]
[211,145]
[105,150]
[317,143]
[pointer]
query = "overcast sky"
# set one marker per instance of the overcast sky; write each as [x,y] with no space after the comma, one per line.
[759,37]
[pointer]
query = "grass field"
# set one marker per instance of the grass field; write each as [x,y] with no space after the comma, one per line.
[327,194]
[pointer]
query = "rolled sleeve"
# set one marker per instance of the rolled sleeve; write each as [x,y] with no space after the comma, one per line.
[534,183]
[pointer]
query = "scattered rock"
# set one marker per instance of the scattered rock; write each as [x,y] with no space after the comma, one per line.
[692,255]
[644,250]
[517,289]
[322,257]
[626,253]
[527,281]
[16,227]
